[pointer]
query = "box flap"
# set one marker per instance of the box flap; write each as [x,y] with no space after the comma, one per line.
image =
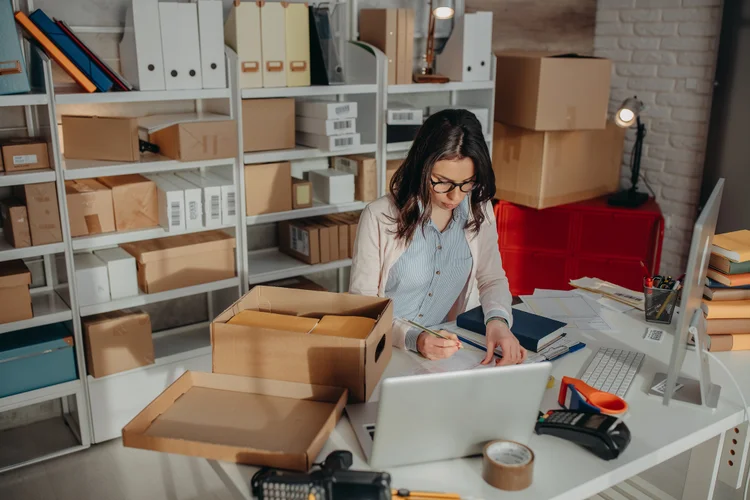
[178,246]
[84,186]
[155,123]
[122,180]
[14,273]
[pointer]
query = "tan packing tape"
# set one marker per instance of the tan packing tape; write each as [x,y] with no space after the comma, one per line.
[508,465]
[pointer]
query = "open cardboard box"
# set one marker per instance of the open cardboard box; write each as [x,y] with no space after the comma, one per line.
[239,419]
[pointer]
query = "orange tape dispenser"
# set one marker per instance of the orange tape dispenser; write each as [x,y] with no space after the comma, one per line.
[575,394]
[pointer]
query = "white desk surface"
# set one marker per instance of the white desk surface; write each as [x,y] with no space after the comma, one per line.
[563,470]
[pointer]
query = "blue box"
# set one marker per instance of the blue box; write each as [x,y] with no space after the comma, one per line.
[35,358]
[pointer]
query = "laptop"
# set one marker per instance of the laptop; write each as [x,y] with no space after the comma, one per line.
[423,418]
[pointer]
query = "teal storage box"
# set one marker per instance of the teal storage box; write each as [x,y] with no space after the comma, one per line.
[35,358]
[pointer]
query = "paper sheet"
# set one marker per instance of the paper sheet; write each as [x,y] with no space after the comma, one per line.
[467,358]
[568,307]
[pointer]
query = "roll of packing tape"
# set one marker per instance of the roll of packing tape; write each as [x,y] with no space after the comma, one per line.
[508,465]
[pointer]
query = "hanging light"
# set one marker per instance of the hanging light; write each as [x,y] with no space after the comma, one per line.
[443,9]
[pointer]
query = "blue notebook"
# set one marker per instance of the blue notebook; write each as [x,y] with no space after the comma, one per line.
[13,76]
[72,51]
[532,331]
[715,284]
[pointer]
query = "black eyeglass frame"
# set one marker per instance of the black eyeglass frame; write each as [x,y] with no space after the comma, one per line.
[454,185]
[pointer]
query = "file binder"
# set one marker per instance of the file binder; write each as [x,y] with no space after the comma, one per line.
[325,64]
[468,53]
[242,34]
[141,56]
[297,27]
[379,28]
[13,76]
[210,28]
[273,44]
[180,45]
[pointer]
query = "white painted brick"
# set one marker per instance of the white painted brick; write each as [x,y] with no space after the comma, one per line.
[672,154]
[709,28]
[619,82]
[650,164]
[640,15]
[655,57]
[701,3]
[614,55]
[682,99]
[615,4]
[614,28]
[658,84]
[693,58]
[690,115]
[655,112]
[656,3]
[656,139]
[656,29]
[616,96]
[628,69]
[681,195]
[705,87]
[704,14]
[682,71]
[679,181]
[606,42]
[607,15]
[685,43]
[687,128]
[690,169]
[684,223]
[675,207]
[687,142]
[640,43]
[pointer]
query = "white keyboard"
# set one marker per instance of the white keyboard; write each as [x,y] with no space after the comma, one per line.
[613,370]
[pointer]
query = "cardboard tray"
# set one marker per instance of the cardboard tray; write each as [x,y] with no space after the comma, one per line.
[239,419]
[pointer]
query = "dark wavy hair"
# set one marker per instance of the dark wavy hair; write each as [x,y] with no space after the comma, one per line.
[451,134]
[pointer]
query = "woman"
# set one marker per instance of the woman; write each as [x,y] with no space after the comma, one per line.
[431,245]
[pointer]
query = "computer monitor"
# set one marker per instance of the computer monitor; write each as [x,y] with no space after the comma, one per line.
[692,321]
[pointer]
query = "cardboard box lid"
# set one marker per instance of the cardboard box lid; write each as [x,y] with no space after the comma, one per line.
[179,246]
[83,186]
[36,340]
[122,180]
[14,273]
[111,320]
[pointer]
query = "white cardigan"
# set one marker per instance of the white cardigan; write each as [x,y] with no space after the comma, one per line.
[376,250]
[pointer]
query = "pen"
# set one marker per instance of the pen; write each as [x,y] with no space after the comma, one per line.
[423,495]
[645,270]
[430,331]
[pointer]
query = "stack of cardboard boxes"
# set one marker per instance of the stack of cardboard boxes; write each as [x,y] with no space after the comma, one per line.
[319,240]
[32,216]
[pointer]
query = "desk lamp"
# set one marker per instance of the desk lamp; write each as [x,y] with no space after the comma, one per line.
[439,9]
[626,116]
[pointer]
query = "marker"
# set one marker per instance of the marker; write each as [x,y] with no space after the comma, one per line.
[645,270]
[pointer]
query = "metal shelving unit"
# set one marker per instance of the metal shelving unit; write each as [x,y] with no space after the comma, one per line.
[314,90]
[48,308]
[63,97]
[269,265]
[314,211]
[303,153]
[7,252]
[120,237]
[30,99]
[149,164]
[20,178]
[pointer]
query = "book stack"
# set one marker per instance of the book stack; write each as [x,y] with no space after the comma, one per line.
[727,292]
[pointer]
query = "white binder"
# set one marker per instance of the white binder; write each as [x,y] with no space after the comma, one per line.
[273,44]
[242,34]
[468,54]
[297,27]
[140,48]
[180,45]
[210,28]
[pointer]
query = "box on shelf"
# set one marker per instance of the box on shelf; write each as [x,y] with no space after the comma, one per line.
[301,194]
[401,133]
[482,114]
[183,260]
[15,223]
[332,186]
[239,419]
[268,188]
[326,127]
[552,91]
[193,200]
[121,270]
[36,358]
[349,347]
[324,238]
[43,210]
[330,229]
[134,199]
[92,279]
[325,110]
[300,168]
[211,197]
[170,203]
[15,298]
[391,31]
[546,169]
[267,124]
[228,196]
[328,143]
[343,230]
[198,140]
[117,341]
[299,283]
[299,240]
[390,168]
[365,171]
[22,154]
[352,220]
[100,138]
[89,207]
[402,114]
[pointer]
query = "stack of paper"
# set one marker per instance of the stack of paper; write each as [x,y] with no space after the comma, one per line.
[571,308]
[612,291]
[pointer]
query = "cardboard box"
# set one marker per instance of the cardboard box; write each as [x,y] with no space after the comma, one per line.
[195,141]
[300,241]
[343,228]
[325,110]
[552,91]
[356,364]
[100,138]
[365,172]
[324,238]
[15,223]
[268,188]
[267,124]
[546,169]
[352,220]
[211,197]
[332,231]
[328,143]
[326,127]
[43,210]
[239,419]
[117,341]
[15,298]
[184,260]
[171,202]
[21,154]
[89,207]
[92,279]
[193,200]
[332,186]
[134,199]
[121,271]
[301,194]
[390,168]
[228,196]
[299,283]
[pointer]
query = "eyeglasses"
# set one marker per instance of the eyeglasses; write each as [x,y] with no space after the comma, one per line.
[443,187]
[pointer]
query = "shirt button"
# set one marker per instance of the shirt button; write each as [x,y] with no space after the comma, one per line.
[437,272]
[440,247]
[429,294]
[419,315]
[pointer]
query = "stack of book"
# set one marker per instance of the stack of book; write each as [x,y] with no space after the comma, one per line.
[727,292]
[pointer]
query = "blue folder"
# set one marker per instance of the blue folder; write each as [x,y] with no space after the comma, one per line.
[715,284]
[72,50]
[13,76]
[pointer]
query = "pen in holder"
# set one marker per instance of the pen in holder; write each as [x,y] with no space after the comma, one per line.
[660,303]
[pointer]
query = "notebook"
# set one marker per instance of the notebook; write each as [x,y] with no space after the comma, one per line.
[532,331]
[735,246]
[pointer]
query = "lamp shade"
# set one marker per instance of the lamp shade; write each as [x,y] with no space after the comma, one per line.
[628,113]
[443,9]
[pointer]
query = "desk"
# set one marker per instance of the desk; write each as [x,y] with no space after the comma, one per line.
[562,470]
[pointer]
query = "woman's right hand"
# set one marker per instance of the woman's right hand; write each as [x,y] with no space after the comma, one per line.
[432,347]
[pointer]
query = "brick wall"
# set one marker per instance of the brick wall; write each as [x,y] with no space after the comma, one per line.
[664,51]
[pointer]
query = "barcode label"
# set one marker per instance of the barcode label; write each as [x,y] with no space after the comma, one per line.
[340,110]
[174,213]
[24,159]
[345,165]
[342,125]
[343,141]
[215,211]
[403,116]
[193,210]
[300,241]
[231,210]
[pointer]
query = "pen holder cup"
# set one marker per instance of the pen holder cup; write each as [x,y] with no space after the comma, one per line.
[660,304]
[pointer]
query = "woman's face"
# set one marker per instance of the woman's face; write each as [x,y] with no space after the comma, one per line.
[445,172]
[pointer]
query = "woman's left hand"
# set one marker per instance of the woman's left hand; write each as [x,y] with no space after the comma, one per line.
[499,335]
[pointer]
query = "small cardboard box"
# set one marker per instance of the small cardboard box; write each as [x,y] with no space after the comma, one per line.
[337,361]
[15,223]
[15,298]
[117,341]
[184,260]
[390,169]
[331,230]
[300,241]
[332,186]
[343,229]
[546,169]
[301,194]
[135,202]
[268,188]
[267,124]
[325,110]
[365,172]
[43,210]
[92,279]
[89,207]
[552,91]
[101,138]
[199,140]
[239,419]
[123,281]
[21,154]
[351,219]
